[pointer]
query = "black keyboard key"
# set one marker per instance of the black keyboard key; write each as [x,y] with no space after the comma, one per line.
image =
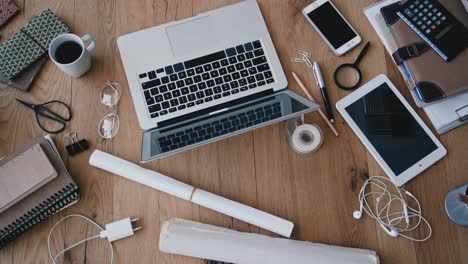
[208,99]
[164,112]
[205,76]
[208,92]
[235,76]
[190,142]
[249,55]
[225,87]
[197,79]
[231,52]
[176,140]
[154,108]
[259,77]
[154,91]
[219,80]
[150,101]
[153,115]
[188,81]
[248,64]
[191,98]
[185,90]
[160,70]
[165,105]
[165,143]
[185,138]
[241,57]
[227,78]
[173,77]
[163,88]
[263,67]
[169,70]
[257,44]
[244,88]
[199,69]
[223,71]
[151,75]
[224,62]
[167,96]
[153,83]
[172,110]
[242,82]
[239,66]
[217,89]
[210,130]
[180,84]
[226,93]
[210,83]
[158,98]
[234,84]
[259,52]
[201,85]
[248,46]
[214,74]
[224,132]
[176,93]
[193,88]
[218,128]
[200,95]
[183,100]
[261,83]
[268,74]
[240,49]
[227,125]
[205,59]
[231,68]
[252,86]
[182,75]
[224,120]
[147,95]
[232,60]
[165,79]
[207,67]
[259,60]
[142,75]
[191,72]
[174,102]
[271,80]
[252,71]
[197,128]
[179,67]
[216,65]
[235,91]
[199,102]
[171,86]
[251,79]
[191,104]
[244,73]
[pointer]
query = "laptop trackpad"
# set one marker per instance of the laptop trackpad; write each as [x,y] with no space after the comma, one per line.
[191,36]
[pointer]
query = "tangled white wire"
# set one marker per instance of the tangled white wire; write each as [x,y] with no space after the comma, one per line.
[391,211]
[54,258]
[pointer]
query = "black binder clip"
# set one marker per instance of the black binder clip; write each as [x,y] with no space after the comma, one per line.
[76,146]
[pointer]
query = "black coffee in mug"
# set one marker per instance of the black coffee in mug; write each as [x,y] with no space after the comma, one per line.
[68,52]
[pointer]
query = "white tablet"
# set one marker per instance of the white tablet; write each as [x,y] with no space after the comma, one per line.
[391,130]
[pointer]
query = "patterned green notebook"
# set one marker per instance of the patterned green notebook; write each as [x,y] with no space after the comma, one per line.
[30,43]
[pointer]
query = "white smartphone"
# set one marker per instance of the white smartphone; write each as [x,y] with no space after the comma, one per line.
[332,26]
[391,130]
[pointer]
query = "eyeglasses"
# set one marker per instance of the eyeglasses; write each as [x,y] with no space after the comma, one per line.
[109,124]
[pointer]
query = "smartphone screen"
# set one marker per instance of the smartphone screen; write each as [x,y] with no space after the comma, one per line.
[332,25]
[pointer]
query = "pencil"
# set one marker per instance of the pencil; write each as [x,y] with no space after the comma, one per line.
[324,117]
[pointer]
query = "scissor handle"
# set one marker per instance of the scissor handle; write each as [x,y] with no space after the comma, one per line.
[44,111]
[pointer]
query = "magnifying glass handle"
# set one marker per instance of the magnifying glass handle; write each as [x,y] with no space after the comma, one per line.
[361,55]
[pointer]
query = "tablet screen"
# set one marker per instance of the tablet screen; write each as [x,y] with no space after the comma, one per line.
[391,129]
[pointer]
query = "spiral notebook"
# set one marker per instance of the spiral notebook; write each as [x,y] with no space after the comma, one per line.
[52,197]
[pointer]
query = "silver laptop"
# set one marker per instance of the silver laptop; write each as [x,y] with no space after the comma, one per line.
[205,78]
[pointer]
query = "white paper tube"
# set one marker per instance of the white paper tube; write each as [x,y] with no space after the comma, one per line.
[187,192]
[141,175]
[242,212]
[199,240]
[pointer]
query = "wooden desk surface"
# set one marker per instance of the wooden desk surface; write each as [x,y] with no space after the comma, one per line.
[317,192]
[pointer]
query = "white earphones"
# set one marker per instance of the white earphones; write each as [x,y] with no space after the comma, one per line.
[385,208]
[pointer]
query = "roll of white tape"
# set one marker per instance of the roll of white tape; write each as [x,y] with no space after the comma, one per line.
[306,138]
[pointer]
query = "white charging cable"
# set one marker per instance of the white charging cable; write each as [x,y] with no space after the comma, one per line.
[391,211]
[113,231]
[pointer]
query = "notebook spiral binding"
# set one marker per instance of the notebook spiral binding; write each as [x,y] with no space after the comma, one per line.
[50,206]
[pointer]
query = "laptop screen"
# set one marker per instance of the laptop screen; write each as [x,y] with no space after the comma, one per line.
[225,122]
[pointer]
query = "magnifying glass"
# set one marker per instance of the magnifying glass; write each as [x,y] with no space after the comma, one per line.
[348,76]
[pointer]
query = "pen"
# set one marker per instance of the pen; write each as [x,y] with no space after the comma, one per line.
[321,84]
[330,125]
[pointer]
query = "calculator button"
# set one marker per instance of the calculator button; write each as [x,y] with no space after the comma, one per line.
[415,18]
[425,10]
[428,31]
[415,10]
[411,6]
[433,26]
[408,12]
[439,14]
[429,14]
[423,27]
[419,23]
[438,22]
[443,18]
[420,14]
[434,10]
[428,22]
[424,18]
[434,18]
[430,6]
[416,2]
[426,2]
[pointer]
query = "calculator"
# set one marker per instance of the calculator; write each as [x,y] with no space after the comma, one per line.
[436,26]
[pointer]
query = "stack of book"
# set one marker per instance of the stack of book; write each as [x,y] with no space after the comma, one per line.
[446,113]
[34,184]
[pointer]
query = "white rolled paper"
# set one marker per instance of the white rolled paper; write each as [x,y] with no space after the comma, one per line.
[199,240]
[187,192]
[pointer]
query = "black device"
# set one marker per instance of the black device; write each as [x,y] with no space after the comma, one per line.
[436,26]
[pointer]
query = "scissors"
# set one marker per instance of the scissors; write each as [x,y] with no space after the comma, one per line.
[41,110]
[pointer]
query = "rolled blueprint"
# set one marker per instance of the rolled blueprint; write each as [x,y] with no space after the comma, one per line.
[199,240]
[187,192]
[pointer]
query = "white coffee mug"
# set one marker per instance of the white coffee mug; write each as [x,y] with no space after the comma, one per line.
[81,65]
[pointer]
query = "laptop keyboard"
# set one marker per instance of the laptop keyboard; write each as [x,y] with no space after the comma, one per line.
[219,127]
[207,78]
